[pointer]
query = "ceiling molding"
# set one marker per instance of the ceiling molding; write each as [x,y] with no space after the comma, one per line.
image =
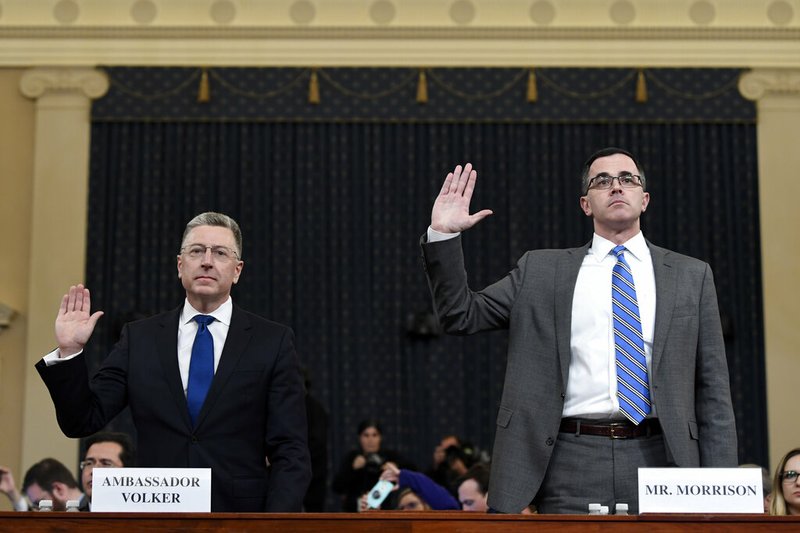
[420,32]
[20,52]
[649,33]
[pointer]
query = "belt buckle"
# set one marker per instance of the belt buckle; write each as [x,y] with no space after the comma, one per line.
[613,431]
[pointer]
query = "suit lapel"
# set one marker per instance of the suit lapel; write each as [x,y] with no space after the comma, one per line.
[666,286]
[167,342]
[236,341]
[566,277]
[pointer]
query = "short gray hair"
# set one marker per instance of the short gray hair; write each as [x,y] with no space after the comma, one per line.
[211,218]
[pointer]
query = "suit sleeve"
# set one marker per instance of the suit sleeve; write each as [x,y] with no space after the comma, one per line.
[286,433]
[84,407]
[716,423]
[461,310]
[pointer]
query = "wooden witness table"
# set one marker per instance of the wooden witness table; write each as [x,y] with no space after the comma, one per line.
[390,522]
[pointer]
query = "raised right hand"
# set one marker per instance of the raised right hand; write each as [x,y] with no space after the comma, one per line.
[7,485]
[74,324]
[450,212]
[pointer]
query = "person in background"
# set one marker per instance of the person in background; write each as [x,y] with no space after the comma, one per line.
[440,470]
[105,449]
[9,487]
[49,479]
[786,485]
[361,468]
[405,500]
[408,500]
[473,489]
[461,458]
[434,496]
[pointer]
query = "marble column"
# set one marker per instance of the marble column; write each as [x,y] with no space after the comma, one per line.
[58,234]
[777,95]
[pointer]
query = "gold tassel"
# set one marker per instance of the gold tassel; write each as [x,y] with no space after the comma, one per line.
[533,92]
[422,88]
[204,92]
[313,88]
[641,88]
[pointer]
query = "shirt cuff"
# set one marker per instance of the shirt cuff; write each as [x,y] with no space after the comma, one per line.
[21,505]
[436,236]
[53,359]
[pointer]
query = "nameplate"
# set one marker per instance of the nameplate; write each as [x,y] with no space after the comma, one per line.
[700,490]
[151,490]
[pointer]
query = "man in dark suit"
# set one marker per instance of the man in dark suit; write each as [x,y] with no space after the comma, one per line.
[106,449]
[589,395]
[209,384]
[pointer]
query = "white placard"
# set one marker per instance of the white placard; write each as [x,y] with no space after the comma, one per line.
[700,490]
[151,490]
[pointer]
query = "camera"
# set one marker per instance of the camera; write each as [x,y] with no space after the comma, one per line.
[374,460]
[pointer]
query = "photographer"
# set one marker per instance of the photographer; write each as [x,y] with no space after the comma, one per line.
[361,468]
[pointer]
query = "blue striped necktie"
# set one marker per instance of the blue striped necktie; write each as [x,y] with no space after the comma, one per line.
[633,390]
[201,367]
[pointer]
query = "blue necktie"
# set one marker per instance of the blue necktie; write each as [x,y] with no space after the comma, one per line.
[632,383]
[201,367]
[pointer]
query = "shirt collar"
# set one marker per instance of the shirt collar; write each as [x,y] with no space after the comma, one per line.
[636,246]
[221,314]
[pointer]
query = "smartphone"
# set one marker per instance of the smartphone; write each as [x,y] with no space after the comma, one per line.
[378,493]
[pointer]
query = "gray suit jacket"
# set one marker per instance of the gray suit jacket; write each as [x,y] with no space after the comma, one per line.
[689,385]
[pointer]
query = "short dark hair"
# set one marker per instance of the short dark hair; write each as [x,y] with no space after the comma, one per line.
[47,472]
[210,218]
[605,152]
[480,473]
[127,455]
[369,423]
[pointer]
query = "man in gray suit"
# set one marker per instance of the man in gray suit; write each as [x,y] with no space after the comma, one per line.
[571,429]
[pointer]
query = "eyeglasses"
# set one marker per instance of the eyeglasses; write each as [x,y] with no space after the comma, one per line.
[604,181]
[94,463]
[789,476]
[218,253]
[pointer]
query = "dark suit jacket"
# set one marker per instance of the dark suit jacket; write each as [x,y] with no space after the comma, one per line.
[689,385]
[84,505]
[254,410]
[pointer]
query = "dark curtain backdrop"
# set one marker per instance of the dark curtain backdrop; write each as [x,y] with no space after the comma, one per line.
[332,209]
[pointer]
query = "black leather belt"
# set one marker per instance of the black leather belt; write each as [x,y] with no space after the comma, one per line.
[613,430]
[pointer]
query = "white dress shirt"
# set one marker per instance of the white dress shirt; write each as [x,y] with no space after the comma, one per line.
[592,384]
[187,329]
